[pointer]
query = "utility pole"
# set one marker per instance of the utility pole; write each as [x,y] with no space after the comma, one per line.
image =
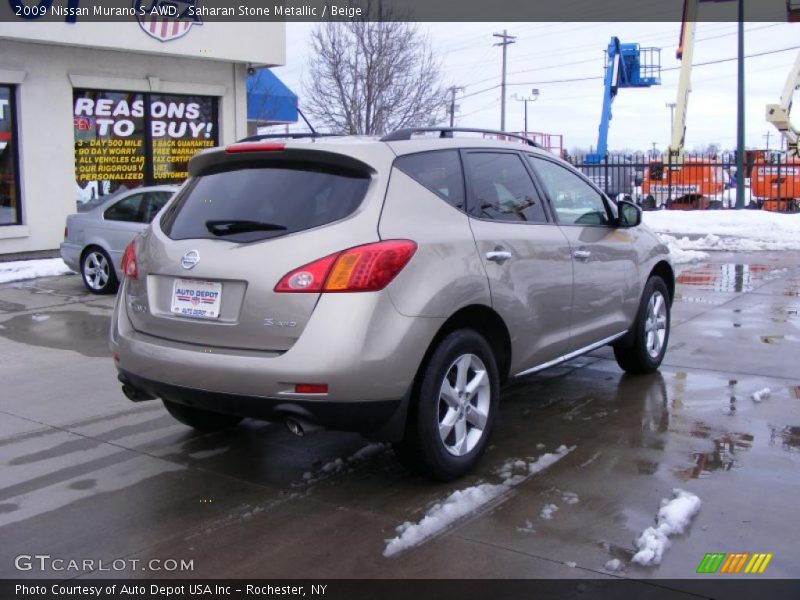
[507,41]
[740,114]
[453,91]
[532,98]
[671,106]
[767,136]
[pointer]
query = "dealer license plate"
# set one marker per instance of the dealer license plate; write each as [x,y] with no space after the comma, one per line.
[195,298]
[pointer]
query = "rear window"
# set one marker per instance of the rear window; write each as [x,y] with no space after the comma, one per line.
[258,203]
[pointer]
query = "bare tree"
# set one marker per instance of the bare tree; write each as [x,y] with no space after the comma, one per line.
[368,78]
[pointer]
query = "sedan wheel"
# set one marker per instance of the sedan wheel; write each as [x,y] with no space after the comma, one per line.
[98,273]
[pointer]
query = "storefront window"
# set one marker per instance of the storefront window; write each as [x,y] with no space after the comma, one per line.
[181,127]
[109,143]
[10,213]
[124,140]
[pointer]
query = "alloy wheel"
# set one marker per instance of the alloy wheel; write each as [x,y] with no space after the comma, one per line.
[464,403]
[96,270]
[655,325]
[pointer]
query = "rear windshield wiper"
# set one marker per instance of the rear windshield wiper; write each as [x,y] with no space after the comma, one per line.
[231,226]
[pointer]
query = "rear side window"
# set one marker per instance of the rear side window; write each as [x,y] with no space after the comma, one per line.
[153,202]
[128,210]
[439,171]
[262,202]
[502,189]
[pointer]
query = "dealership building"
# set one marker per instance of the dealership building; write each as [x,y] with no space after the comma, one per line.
[88,108]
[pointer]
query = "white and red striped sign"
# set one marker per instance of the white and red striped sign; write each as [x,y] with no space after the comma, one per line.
[164,28]
[158,22]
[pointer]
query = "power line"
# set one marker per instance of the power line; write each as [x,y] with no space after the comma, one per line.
[581,79]
[590,60]
[702,64]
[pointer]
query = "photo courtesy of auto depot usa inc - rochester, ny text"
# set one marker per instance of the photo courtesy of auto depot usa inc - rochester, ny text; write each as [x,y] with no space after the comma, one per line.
[155,590]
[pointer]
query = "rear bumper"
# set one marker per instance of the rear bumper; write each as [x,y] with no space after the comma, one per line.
[383,419]
[358,345]
[71,255]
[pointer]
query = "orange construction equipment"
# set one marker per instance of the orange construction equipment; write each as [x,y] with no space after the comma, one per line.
[775,177]
[679,181]
[775,183]
[696,183]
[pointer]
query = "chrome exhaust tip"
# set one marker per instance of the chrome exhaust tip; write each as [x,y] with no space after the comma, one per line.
[295,427]
[300,427]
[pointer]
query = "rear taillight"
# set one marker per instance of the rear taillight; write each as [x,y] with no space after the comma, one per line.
[308,278]
[129,267]
[366,268]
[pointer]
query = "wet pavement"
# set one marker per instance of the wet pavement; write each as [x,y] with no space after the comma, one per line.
[86,474]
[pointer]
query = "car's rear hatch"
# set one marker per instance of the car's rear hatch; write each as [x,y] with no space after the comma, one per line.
[208,267]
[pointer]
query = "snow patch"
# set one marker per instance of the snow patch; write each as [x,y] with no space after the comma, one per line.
[570,498]
[571,564]
[339,465]
[679,252]
[457,505]
[673,518]
[727,230]
[591,459]
[464,502]
[528,528]
[547,511]
[20,270]
[760,395]
[613,565]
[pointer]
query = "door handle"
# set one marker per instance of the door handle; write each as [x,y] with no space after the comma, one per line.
[498,256]
[582,254]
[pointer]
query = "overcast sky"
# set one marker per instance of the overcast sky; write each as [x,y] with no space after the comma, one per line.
[545,52]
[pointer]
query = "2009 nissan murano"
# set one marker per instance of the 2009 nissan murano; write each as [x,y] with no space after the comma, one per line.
[382,286]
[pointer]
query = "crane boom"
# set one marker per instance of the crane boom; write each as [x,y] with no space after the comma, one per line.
[627,66]
[685,53]
[779,114]
[611,87]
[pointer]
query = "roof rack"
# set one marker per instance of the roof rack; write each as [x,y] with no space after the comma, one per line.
[447,132]
[292,136]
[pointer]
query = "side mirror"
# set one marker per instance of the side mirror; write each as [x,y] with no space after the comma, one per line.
[630,215]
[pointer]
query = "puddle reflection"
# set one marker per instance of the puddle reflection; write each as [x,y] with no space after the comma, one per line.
[724,278]
[788,437]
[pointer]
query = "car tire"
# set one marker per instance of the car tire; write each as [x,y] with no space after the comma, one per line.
[97,271]
[449,424]
[204,420]
[643,349]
